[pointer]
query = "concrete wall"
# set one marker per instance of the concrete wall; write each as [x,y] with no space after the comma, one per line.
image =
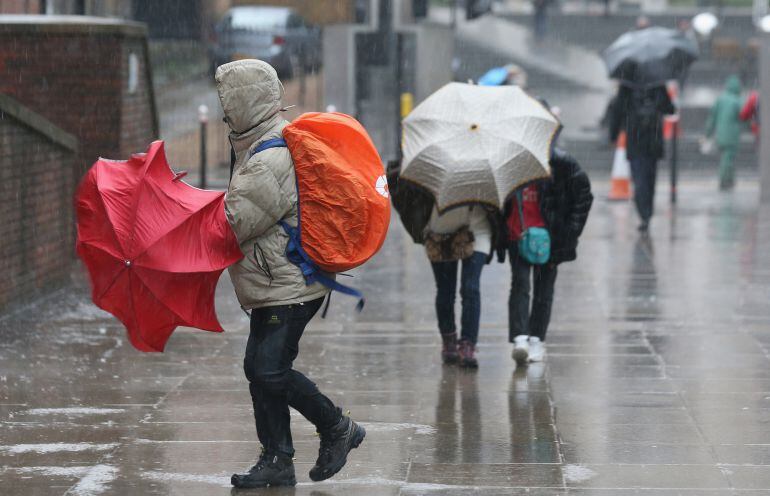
[315,11]
[339,55]
[433,67]
[74,71]
[37,182]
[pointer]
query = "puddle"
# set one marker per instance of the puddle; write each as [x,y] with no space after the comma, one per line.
[56,448]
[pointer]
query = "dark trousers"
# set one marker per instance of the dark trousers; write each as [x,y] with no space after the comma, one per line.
[445,274]
[520,319]
[540,22]
[644,171]
[272,347]
[727,167]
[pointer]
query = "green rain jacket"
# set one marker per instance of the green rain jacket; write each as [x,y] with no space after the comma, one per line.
[724,121]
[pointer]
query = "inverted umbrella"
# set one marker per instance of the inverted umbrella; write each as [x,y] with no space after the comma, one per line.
[154,246]
[476,144]
[650,56]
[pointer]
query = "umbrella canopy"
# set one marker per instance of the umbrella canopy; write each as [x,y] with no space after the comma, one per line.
[154,246]
[650,56]
[476,144]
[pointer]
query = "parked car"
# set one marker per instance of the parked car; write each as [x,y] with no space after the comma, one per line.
[277,35]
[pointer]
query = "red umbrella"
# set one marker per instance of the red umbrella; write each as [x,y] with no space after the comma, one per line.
[154,246]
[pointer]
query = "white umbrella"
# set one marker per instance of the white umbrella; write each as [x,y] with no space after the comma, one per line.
[476,144]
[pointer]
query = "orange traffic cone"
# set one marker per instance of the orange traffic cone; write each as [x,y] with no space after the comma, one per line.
[620,182]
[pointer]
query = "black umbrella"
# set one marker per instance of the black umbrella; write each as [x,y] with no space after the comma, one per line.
[650,56]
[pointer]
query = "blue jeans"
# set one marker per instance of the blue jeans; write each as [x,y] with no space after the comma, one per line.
[520,319]
[273,383]
[445,274]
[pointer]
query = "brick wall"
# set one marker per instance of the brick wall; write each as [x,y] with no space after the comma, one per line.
[74,72]
[37,180]
[20,7]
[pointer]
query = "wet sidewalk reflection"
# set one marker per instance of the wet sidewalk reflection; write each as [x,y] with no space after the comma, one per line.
[657,380]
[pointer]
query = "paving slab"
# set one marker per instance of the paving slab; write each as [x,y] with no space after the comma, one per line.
[657,380]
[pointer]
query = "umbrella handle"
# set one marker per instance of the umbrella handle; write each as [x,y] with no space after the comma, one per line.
[179,175]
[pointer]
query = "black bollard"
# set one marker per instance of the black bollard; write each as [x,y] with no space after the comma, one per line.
[203,118]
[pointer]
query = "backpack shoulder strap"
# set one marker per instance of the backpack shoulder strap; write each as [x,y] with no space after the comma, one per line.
[299,257]
[271,143]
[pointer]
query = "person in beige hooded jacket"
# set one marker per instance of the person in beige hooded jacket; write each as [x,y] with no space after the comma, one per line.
[262,192]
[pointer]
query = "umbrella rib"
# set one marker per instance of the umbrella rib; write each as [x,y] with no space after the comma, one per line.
[120,272]
[142,180]
[183,320]
[178,226]
[138,337]
[112,283]
[109,218]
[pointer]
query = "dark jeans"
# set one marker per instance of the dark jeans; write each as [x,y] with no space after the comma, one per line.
[520,320]
[445,274]
[272,347]
[644,171]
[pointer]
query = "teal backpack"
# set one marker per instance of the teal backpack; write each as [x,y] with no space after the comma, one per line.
[535,242]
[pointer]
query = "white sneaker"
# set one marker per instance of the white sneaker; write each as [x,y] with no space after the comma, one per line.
[536,349]
[520,349]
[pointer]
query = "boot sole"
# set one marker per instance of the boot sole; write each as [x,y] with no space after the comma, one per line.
[255,485]
[450,360]
[355,441]
[521,357]
[467,364]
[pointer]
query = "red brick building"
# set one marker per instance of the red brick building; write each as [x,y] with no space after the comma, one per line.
[90,76]
[37,178]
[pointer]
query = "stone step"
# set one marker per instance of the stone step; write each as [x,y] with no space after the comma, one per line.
[594,33]
[594,155]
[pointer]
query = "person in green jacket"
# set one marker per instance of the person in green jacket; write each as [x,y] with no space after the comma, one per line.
[725,124]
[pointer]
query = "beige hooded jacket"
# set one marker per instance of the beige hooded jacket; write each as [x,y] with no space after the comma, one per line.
[262,190]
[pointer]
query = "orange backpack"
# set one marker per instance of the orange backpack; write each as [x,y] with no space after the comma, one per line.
[344,206]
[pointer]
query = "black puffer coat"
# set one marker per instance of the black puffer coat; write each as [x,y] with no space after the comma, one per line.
[639,112]
[415,206]
[565,200]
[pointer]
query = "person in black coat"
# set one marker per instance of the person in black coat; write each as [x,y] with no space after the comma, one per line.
[561,205]
[639,112]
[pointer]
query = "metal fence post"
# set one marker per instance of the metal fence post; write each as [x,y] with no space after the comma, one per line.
[203,118]
[674,160]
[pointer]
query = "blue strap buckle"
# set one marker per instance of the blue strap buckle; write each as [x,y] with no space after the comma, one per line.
[310,270]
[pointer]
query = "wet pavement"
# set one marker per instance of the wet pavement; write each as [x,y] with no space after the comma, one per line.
[657,380]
